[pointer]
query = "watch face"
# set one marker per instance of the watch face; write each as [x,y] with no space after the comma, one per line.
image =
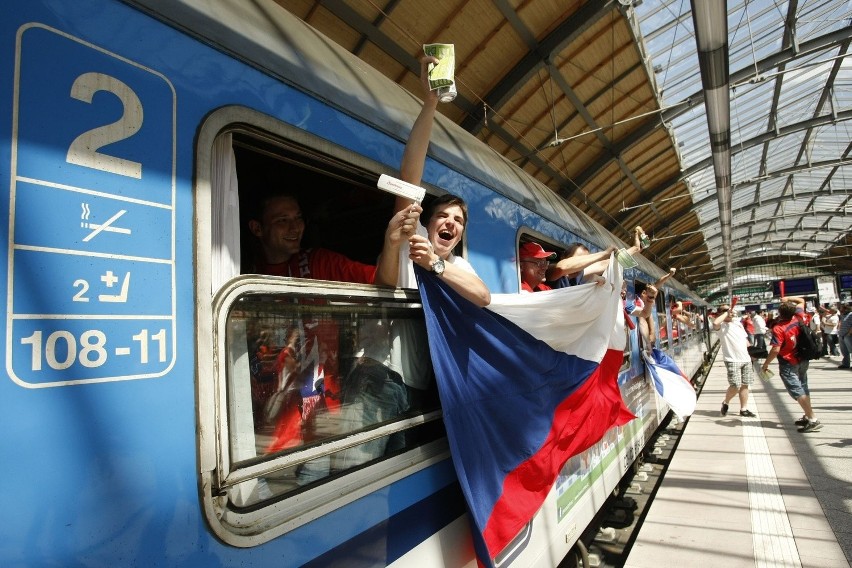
[438,267]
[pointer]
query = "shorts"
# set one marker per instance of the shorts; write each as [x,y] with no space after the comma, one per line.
[739,374]
[795,378]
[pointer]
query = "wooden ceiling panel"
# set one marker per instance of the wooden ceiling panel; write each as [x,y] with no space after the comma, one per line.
[332,26]
[301,8]
[484,44]
[378,58]
[600,103]
[542,16]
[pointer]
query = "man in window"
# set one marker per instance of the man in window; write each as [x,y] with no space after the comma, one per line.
[307,368]
[534,262]
[279,225]
[643,310]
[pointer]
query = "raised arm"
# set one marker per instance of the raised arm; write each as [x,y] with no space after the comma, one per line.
[799,301]
[717,322]
[422,249]
[637,241]
[664,277]
[414,156]
[577,263]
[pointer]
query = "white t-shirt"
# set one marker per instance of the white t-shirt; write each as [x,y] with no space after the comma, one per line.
[734,341]
[830,323]
[759,324]
[408,338]
[406,267]
[815,322]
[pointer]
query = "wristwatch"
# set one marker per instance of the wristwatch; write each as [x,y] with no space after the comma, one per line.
[438,267]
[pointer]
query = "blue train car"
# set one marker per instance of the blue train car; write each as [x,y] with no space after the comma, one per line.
[145,362]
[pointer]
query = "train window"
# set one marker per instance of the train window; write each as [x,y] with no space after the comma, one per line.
[533,270]
[627,358]
[319,391]
[662,325]
[315,385]
[558,251]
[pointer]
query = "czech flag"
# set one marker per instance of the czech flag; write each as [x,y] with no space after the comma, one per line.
[523,391]
[671,384]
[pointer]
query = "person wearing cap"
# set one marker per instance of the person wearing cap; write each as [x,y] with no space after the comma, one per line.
[534,261]
[734,342]
[792,370]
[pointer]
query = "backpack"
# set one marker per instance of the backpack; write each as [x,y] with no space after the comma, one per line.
[808,343]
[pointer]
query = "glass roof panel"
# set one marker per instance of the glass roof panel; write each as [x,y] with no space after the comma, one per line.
[780,154]
[745,165]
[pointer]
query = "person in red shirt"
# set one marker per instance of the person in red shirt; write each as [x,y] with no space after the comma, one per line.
[279,227]
[749,326]
[534,263]
[793,372]
[307,370]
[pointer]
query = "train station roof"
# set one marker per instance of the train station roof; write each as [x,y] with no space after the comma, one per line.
[618,107]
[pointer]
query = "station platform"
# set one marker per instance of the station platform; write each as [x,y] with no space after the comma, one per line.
[754,492]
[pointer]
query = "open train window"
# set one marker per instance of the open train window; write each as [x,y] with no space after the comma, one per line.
[662,324]
[526,241]
[660,316]
[342,209]
[558,251]
[315,392]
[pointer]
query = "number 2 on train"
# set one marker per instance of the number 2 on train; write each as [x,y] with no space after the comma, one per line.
[84,149]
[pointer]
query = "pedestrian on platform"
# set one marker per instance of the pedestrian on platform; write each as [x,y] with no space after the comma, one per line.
[844,335]
[793,371]
[734,342]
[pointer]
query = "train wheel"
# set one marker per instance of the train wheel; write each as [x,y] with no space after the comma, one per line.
[577,557]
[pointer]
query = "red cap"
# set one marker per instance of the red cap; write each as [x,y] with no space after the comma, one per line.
[534,250]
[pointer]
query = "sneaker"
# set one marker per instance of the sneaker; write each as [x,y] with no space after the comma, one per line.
[801,421]
[724,410]
[811,426]
[748,413]
[843,366]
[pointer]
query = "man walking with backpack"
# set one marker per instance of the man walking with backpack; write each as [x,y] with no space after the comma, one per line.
[792,367]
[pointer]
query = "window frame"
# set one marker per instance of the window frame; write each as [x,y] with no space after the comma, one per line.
[266,521]
[526,234]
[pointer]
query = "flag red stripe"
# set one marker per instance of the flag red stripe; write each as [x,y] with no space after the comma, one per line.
[579,422]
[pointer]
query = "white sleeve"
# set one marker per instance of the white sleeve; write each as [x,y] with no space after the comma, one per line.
[406,277]
[459,262]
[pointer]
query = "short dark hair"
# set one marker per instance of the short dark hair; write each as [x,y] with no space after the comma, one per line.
[571,250]
[446,199]
[258,205]
[787,310]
